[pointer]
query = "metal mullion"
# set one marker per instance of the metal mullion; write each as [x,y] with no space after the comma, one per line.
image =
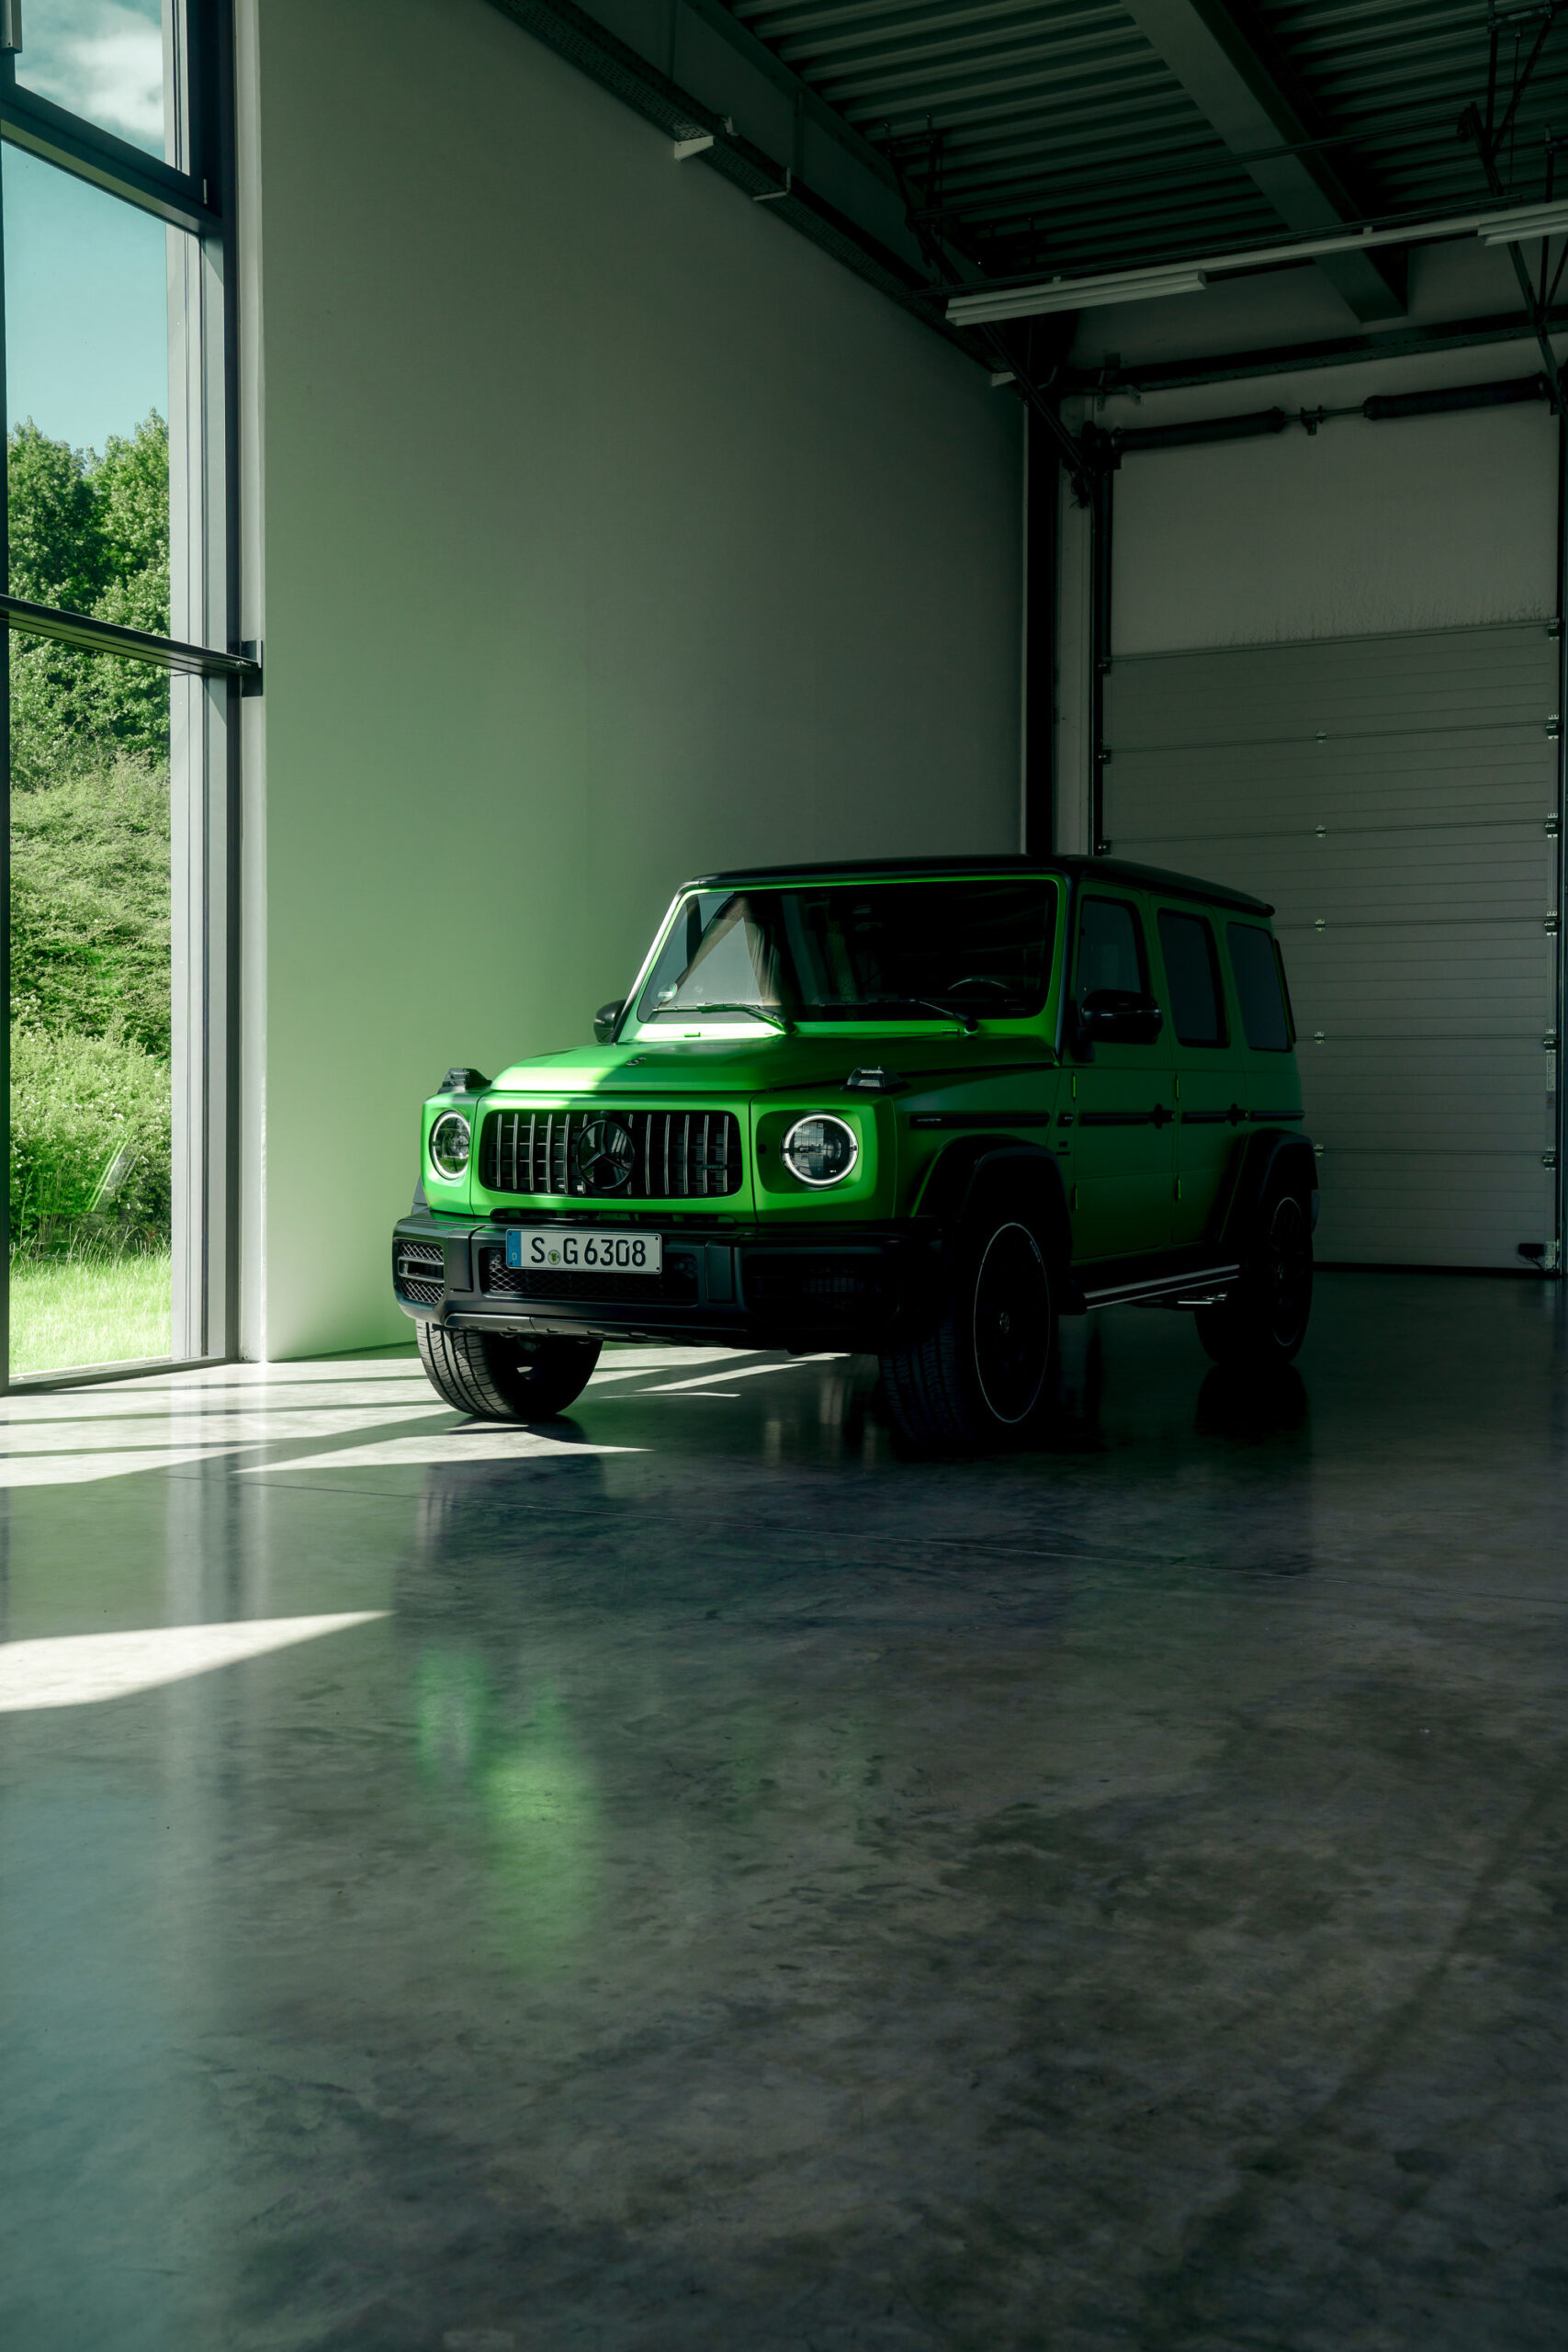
[209,128]
[1559,863]
[71,144]
[189,751]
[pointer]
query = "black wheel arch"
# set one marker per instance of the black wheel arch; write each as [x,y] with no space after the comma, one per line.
[968,1164]
[1272,1160]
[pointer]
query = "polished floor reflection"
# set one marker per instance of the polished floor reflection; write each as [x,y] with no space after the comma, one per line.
[687,1879]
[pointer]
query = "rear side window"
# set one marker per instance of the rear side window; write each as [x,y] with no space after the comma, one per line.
[1192,968]
[1111,948]
[1260,985]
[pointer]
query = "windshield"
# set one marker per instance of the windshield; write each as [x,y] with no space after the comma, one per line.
[843,949]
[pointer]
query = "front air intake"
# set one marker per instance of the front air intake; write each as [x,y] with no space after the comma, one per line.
[612,1155]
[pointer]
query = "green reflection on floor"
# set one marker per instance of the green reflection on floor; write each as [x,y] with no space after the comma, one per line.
[68,1311]
[536,1798]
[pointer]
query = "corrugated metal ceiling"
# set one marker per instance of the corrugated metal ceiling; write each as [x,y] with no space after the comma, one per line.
[1049,133]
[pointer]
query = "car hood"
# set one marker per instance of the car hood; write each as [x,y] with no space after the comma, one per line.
[759,1065]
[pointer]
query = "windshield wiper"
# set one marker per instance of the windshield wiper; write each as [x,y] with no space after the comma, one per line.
[767,1012]
[966,1020]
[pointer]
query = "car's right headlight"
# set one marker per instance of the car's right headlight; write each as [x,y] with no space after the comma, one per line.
[451,1140]
[821,1149]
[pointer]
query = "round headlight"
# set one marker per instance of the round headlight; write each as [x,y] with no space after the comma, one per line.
[449,1145]
[820,1151]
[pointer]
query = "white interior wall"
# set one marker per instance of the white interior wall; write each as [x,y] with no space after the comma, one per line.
[611,533]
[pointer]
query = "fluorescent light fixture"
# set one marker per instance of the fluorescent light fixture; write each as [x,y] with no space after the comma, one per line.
[1530,221]
[987,306]
[1067,294]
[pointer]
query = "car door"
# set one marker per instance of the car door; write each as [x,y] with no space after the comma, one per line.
[1210,1077]
[1122,1100]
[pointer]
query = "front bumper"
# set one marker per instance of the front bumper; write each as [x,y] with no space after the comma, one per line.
[852,1287]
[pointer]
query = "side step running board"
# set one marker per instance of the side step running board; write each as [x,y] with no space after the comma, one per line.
[1205,1287]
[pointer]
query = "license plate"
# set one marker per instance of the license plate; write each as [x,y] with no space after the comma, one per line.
[547,1248]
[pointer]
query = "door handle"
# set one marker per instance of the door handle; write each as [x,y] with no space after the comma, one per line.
[1160,1117]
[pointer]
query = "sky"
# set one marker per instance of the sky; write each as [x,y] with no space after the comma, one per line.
[85,275]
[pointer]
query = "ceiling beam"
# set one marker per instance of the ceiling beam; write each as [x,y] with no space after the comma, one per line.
[1293,358]
[1227,63]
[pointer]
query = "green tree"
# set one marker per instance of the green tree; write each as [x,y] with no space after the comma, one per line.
[90,850]
[90,906]
[91,534]
[57,545]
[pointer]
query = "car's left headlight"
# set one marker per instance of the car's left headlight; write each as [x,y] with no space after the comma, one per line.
[451,1140]
[820,1149]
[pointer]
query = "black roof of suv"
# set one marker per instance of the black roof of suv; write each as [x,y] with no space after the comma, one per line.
[1103,869]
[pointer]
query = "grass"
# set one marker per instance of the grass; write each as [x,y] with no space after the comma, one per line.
[71,1311]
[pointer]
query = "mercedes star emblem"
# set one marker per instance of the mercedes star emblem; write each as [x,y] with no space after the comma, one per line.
[605,1156]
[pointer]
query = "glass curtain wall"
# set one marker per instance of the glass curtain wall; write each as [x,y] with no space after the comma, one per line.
[122,676]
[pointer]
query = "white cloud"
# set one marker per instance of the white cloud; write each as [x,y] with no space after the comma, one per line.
[103,59]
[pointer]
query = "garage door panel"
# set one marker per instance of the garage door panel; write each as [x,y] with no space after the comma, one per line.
[1431,1209]
[1253,693]
[1498,883]
[1430,979]
[1487,878]
[1192,797]
[1395,800]
[1394,1104]
[1495,875]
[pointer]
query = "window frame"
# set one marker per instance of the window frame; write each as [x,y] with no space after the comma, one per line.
[1216,974]
[194,194]
[1140,935]
[1233,924]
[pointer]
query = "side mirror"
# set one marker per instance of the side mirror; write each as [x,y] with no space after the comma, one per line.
[1118,1017]
[607,1020]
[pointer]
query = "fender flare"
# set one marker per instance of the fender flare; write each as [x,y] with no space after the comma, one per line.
[959,1171]
[1272,1159]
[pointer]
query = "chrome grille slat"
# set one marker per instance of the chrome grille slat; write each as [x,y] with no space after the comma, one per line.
[676,1155]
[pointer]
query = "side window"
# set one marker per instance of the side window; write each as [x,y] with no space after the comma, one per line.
[1261,986]
[1111,948]
[1192,970]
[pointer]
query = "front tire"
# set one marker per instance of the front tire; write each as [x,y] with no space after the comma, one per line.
[979,1377]
[500,1376]
[1264,1320]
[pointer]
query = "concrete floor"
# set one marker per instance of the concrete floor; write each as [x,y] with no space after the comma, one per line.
[738,1890]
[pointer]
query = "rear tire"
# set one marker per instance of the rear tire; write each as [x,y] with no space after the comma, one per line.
[500,1376]
[980,1376]
[1264,1318]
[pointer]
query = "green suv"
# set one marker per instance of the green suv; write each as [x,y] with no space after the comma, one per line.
[917,1110]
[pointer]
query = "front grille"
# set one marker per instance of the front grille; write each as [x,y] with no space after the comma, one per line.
[419,1272]
[673,1154]
[676,1287]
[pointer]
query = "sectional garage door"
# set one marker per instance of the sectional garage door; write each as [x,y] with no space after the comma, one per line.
[1397,798]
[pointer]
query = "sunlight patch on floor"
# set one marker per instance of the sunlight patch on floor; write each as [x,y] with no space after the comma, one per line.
[80,1670]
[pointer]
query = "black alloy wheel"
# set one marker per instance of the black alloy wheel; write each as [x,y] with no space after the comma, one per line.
[1265,1319]
[978,1376]
[503,1375]
[1011,1323]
